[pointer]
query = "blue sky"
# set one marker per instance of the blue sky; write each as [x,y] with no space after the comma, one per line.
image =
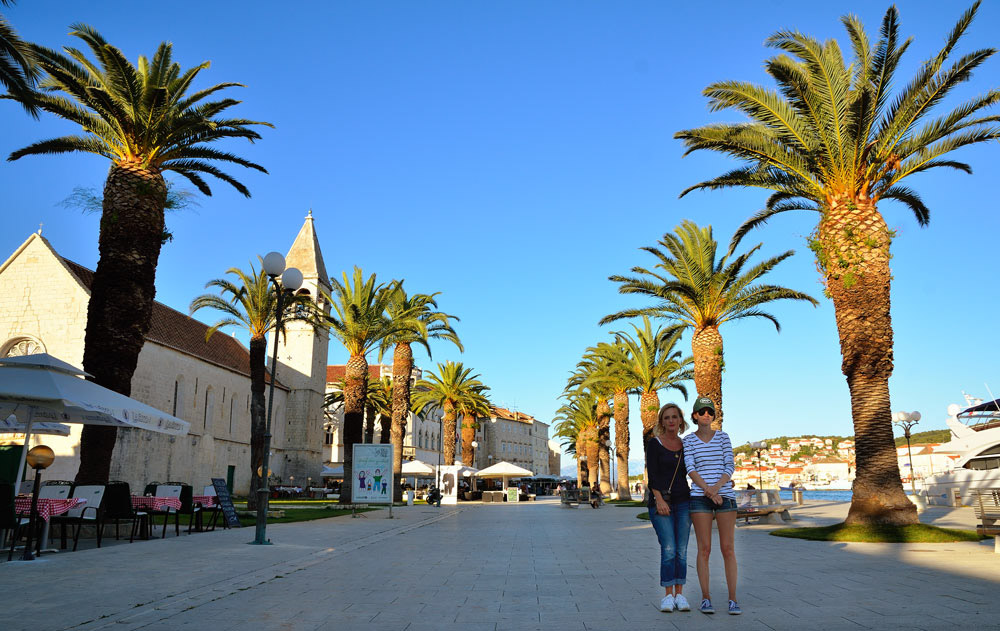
[512,156]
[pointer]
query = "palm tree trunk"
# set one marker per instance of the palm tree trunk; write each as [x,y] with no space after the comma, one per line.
[706,346]
[852,247]
[258,414]
[581,465]
[649,407]
[402,366]
[593,457]
[355,391]
[621,443]
[468,435]
[448,432]
[603,440]
[369,424]
[121,297]
[383,429]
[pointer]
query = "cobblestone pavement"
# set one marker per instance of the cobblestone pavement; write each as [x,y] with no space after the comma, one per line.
[496,567]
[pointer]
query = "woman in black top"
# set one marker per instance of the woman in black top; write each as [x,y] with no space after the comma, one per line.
[669,496]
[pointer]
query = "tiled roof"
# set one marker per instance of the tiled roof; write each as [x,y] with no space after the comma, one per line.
[182,333]
[504,413]
[335,374]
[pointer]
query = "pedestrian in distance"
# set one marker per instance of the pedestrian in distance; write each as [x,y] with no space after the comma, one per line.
[708,455]
[669,503]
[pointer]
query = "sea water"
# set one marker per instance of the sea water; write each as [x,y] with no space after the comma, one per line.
[824,496]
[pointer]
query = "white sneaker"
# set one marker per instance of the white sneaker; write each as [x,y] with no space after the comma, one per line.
[682,603]
[667,604]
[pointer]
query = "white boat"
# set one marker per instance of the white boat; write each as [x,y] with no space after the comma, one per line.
[975,437]
[833,485]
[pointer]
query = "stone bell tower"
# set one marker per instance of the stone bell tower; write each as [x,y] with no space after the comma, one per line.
[302,355]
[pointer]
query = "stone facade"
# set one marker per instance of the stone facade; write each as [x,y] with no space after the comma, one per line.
[43,308]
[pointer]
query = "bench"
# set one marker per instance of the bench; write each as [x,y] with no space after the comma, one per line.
[763,504]
[986,503]
[569,498]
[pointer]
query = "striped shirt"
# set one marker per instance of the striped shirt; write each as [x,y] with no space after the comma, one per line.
[711,461]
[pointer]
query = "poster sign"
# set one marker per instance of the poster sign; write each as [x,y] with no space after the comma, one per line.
[372,474]
[512,494]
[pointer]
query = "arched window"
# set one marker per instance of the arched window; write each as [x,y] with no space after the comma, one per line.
[300,309]
[178,406]
[209,406]
[20,346]
[232,403]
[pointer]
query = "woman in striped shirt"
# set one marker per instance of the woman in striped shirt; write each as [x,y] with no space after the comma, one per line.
[708,455]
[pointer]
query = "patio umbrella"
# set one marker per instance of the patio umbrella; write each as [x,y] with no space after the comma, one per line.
[44,388]
[11,425]
[504,470]
[329,472]
[417,468]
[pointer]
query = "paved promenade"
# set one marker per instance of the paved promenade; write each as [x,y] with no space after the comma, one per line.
[496,567]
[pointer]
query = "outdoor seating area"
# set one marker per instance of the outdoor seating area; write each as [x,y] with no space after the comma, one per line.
[89,511]
[986,503]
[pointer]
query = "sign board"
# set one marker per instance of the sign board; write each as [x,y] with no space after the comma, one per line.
[512,494]
[372,471]
[225,501]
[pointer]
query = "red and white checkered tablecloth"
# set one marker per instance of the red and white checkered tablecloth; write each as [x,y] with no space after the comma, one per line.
[156,503]
[208,501]
[46,508]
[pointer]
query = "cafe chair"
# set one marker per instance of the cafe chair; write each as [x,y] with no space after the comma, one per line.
[118,508]
[88,513]
[10,523]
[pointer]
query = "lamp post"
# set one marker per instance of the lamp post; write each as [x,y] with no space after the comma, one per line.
[39,457]
[291,280]
[758,447]
[906,420]
[475,444]
[611,452]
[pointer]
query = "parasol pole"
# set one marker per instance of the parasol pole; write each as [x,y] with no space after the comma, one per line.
[24,449]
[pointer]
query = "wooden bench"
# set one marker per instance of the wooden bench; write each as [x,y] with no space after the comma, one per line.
[569,498]
[986,503]
[763,504]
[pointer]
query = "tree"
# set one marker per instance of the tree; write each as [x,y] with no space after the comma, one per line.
[250,304]
[422,324]
[702,291]
[142,119]
[834,140]
[17,72]
[576,423]
[358,319]
[614,359]
[445,391]
[474,405]
[654,365]
[378,406]
[590,374]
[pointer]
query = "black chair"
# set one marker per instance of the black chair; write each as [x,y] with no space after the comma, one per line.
[91,512]
[175,489]
[10,523]
[118,508]
[188,506]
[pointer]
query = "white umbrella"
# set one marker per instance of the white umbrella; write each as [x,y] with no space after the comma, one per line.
[417,468]
[43,388]
[329,472]
[11,425]
[504,470]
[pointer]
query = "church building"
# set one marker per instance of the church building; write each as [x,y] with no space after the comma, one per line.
[43,308]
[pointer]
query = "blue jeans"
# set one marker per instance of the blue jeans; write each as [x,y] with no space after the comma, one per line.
[673,531]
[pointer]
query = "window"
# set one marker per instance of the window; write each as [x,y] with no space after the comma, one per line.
[178,408]
[209,406]
[232,402]
[22,346]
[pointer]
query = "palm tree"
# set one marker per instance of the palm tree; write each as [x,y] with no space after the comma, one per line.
[17,72]
[614,358]
[422,324]
[358,319]
[576,423]
[378,406]
[446,391]
[701,291]
[653,365]
[834,140]
[474,405]
[250,304]
[588,375]
[142,120]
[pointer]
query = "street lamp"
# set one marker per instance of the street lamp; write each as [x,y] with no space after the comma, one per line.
[38,457]
[611,451]
[906,420]
[758,447]
[475,444]
[291,280]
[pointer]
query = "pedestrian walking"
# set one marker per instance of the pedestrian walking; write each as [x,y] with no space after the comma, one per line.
[708,455]
[669,504]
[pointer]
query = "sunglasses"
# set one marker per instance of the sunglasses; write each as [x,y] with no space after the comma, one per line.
[704,410]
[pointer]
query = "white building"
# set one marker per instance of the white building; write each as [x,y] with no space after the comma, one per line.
[43,308]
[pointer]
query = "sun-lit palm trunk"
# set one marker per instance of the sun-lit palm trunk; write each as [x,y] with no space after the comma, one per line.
[402,366]
[468,435]
[121,297]
[593,457]
[448,433]
[621,443]
[852,247]
[706,346]
[581,452]
[355,389]
[258,418]
[649,406]
[603,437]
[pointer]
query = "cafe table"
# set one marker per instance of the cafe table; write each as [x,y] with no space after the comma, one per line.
[47,508]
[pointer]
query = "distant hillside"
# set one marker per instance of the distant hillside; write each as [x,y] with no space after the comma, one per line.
[783,440]
[922,438]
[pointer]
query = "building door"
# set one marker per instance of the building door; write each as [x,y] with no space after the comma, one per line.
[230,475]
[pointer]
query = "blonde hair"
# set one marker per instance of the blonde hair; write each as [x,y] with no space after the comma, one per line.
[681,427]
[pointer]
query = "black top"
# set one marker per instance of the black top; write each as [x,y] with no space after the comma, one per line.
[660,464]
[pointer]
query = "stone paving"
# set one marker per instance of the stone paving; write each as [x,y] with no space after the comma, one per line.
[497,567]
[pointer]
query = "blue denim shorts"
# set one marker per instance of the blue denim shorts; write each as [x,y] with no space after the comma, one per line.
[701,504]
